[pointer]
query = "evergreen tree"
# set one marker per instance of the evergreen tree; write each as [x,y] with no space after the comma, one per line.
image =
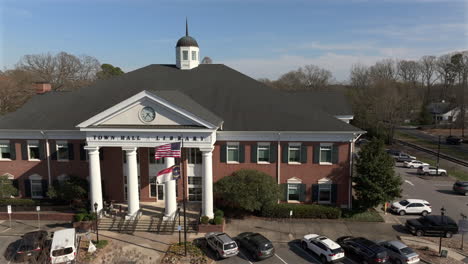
[375,180]
[109,71]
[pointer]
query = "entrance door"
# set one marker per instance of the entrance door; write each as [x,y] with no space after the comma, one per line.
[160,192]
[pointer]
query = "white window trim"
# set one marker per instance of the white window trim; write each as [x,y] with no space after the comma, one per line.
[61,142]
[264,144]
[32,143]
[329,183]
[295,144]
[5,142]
[227,152]
[38,178]
[320,153]
[297,185]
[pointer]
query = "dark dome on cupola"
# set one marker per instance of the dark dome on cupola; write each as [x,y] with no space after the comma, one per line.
[187,41]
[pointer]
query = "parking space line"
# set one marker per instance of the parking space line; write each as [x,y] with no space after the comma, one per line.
[240,253]
[280,259]
[308,254]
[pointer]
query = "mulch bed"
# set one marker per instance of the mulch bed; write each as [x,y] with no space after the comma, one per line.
[175,255]
[432,256]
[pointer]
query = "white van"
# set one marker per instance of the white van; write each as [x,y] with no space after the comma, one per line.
[63,248]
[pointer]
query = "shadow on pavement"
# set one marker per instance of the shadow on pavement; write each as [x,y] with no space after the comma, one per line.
[64,225]
[447,192]
[307,255]
[401,229]
[201,244]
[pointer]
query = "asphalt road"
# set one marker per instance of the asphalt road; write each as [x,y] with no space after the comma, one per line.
[436,190]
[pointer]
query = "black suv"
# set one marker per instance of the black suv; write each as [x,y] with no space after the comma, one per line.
[436,225]
[453,140]
[461,187]
[256,244]
[363,250]
[28,248]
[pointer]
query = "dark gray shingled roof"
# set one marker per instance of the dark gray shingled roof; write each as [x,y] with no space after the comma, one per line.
[243,103]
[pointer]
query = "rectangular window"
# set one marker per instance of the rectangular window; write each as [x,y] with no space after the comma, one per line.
[195,180]
[5,153]
[294,153]
[263,154]
[185,55]
[33,150]
[36,188]
[195,194]
[233,152]
[153,186]
[194,156]
[62,150]
[293,192]
[325,154]
[324,193]
[194,55]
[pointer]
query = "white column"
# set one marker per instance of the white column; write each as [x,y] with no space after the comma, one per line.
[94,177]
[207,185]
[132,181]
[170,198]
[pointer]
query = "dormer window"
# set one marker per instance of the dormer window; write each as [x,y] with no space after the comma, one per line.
[194,55]
[185,55]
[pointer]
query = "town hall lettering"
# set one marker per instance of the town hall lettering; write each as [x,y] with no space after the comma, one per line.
[148,138]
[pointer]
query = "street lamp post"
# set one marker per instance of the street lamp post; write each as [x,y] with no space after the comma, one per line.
[463,233]
[442,213]
[97,232]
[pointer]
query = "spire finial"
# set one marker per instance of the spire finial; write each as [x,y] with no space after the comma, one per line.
[186,27]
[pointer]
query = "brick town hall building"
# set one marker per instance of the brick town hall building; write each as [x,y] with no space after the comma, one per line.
[107,133]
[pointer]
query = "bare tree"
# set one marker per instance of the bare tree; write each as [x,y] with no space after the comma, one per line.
[408,71]
[309,77]
[428,70]
[383,70]
[15,89]
[446,73]
[63,70]
[207,60]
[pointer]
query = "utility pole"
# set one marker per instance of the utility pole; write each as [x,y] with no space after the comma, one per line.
[463,233]
[438,157]
[442,213]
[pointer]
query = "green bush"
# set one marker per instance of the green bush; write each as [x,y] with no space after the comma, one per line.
[79,217]
[101,244]
[205,220]
[302,211]
[17,202]
[218,220]
[219,213]
[85,216]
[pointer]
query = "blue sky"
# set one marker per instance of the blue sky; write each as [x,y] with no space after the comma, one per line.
[261,38]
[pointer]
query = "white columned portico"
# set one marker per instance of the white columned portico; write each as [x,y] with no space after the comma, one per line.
[207,184]
[132,181]
[170,198]
[95,177]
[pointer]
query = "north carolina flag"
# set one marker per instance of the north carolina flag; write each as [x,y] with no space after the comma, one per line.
[168,174]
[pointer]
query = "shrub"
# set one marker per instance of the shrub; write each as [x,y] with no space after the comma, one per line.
[79,217]
[17,202]
[205,220]
[85,216]
[302,211]
[219,213]
[218,220]
[101,243]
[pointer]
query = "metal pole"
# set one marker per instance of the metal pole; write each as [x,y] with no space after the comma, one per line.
[463,233]
[438,155]
[178,209]
[9,216]
[97,229]
[38,220]
[183,200]
[442,213]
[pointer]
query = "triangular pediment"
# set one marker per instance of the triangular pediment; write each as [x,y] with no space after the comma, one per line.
[147,109]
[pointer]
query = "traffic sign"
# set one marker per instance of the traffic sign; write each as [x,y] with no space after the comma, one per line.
[463,225]
[38,208]
[179,228]
[9,209]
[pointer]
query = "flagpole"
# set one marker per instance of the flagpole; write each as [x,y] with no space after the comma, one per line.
[184,194]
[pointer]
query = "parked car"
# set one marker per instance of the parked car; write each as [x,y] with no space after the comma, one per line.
[415,164]
[402,157]
[222,244]
[363,250]
[393,152]
[411,206]
[322,246]
[64,246]
[461,187]
[256,244]
[438,225]
[400,253]
[28,248]
[452,140]
[433,171]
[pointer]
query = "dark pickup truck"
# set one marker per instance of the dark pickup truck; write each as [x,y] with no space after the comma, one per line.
[432,225]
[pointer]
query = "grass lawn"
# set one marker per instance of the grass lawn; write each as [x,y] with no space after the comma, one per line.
[448,150]
[458,174]
[368,216]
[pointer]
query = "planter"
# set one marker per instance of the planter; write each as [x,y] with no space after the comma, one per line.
[85,225]
[206,228]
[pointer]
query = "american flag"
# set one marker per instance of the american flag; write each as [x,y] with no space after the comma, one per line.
[168,150]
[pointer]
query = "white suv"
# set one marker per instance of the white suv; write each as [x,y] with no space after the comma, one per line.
[322,246]
[411,206]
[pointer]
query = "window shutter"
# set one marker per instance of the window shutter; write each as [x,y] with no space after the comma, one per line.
[315,192]
[334,193]
[334,154]
[302,192]
[16,184]
[253,153]
[284,191]
[45,187]
[71,152]
[241,153]
[223,154]
[27,188]
[82,152]
[284,151]
[273,153]
[151,154]
[101,154]
[42,152]
[303,154]
[24,151]
[53,150]
[12,151]
[316,154]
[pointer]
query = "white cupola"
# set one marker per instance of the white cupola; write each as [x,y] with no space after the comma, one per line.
[187,52]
